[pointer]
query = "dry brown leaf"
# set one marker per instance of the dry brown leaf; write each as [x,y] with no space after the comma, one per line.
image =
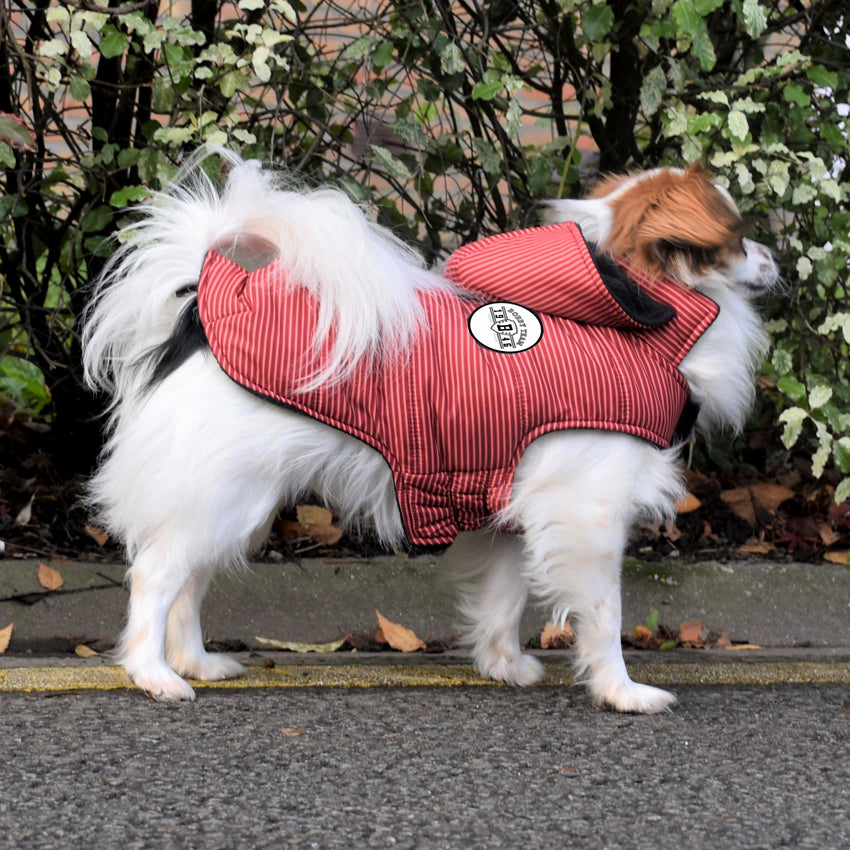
[313,515]
[740,502]
[292,733]
[5,637]
[84,651]
[842,558]
[745,647]
[642,632]
[399,637]
[720,641]
[771,496]
[97,534]
[691,632]
[754,546]
[49,578]
[557,637]
[289,529]
[688,504]
[297,646]
[318,524]
[828,534]
[671,531]
[708,534]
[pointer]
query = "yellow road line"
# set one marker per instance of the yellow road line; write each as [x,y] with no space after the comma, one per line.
[103,677]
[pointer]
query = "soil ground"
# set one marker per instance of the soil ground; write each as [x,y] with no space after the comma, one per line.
[782,516]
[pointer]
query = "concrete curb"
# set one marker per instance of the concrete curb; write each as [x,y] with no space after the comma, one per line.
[277,670]
[315,601]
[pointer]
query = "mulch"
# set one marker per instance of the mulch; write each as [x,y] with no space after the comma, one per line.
[784,516]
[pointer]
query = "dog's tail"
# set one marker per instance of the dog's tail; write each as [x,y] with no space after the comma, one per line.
[365,280]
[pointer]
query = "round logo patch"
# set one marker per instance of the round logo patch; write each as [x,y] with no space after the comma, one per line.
[505,327]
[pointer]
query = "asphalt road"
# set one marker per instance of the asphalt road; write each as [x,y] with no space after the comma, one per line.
[480,767]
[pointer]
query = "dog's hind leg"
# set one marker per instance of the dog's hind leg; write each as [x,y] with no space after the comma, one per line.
[486,569]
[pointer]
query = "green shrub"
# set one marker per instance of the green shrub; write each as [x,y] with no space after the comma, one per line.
[452,120]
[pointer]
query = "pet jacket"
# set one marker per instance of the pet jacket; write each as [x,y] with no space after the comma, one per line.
[562,346]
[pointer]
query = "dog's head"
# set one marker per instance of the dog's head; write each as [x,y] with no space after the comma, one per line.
[676,222]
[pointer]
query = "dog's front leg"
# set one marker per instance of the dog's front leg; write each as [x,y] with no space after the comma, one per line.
[599,656]
[573,564]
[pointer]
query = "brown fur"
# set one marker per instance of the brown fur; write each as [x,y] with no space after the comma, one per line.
[670,213]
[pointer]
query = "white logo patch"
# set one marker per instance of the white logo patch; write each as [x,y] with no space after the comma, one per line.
[505,327]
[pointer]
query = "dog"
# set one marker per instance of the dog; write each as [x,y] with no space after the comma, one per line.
[197,461]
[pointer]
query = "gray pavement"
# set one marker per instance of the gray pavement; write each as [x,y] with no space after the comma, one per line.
[350,750]
[737,768]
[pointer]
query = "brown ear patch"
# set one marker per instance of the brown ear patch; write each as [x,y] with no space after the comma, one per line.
[672,212]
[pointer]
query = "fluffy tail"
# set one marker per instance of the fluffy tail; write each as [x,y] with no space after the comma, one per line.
[365,280]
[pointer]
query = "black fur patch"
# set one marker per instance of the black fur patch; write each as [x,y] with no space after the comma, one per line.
[187,337]
[637,304]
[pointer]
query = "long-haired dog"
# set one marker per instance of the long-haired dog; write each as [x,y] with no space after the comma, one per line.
[196,466]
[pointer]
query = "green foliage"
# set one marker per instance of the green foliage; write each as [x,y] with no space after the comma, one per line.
[452,120]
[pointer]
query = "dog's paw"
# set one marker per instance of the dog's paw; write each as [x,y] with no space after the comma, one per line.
[161,683]
[209,667]
[632,697]
[516,669]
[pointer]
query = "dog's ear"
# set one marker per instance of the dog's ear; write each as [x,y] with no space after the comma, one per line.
[676,253]
[592,215]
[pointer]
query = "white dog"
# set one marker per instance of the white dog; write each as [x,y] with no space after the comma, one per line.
[197,465]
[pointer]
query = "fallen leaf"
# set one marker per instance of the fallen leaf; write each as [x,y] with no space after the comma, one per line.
[644,637]
[399,637]
[671,532]
[290,530]
[828,534]
[292,733]
[5,637]
[313,515]
[318,524]
[25,513]
[744,647]
[719,640]
[84,651]
[754,546]
[642,632]
[771,496]
[295,646]
[692,632]
[687,504]
[842,558]
[557,637]
[49,578]
[740,502]
[97,534]
[768,496]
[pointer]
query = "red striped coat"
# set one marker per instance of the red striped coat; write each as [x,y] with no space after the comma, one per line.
[453,418]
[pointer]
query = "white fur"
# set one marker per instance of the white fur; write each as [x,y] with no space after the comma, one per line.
[195,469]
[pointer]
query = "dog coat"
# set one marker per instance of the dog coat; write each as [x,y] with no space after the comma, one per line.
[547,344]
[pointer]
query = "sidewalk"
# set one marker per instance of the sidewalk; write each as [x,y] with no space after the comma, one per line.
[798,613]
